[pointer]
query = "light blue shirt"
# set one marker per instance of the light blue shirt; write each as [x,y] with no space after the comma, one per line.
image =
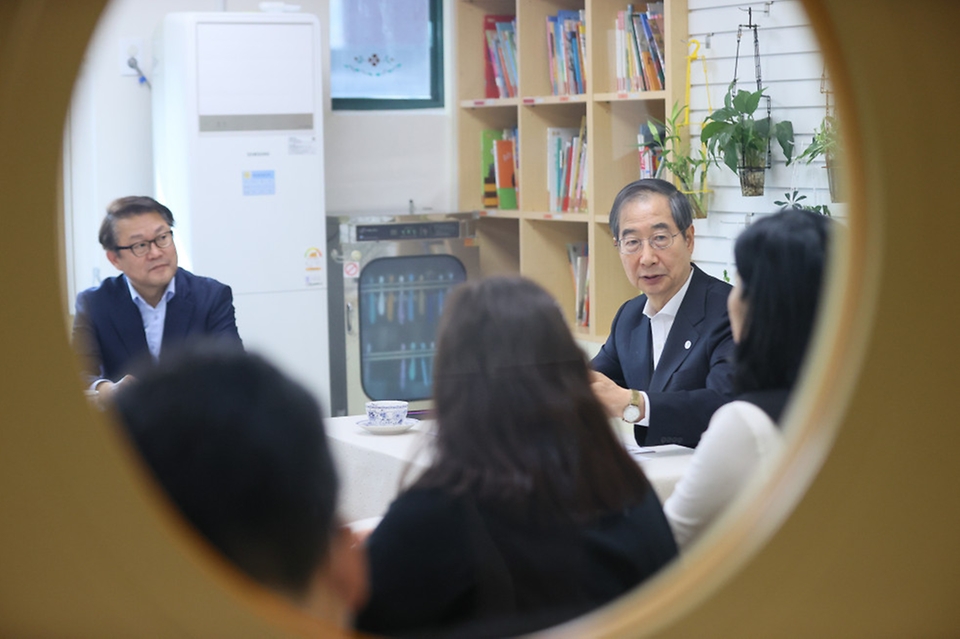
[153,317]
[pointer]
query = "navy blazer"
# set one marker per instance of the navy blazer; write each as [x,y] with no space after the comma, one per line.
[695,374]
[108,333]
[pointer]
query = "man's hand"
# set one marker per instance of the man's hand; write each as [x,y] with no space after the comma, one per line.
[613,397]
[106,388]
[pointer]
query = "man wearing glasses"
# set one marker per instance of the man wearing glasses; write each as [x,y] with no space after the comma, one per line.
[152,305]
[668,362]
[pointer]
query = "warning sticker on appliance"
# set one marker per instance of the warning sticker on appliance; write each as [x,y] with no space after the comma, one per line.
[313,264]
[302,145]
[259,183]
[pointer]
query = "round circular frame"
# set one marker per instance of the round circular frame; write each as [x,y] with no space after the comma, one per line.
[854,536]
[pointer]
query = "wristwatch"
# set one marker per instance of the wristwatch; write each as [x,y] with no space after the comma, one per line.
[631,413]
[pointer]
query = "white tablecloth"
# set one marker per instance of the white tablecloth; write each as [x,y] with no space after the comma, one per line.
[371,466]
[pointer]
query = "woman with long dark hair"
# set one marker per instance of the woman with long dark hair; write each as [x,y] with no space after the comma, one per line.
[531,512]
[780,262]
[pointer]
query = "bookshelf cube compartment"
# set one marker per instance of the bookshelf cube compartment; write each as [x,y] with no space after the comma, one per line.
[536,123]
[615,148]
[470,127]
[499,241]
[472,46]
[544,258]
[532,32]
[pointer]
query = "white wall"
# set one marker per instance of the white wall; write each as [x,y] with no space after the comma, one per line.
[791,69]
[374,160]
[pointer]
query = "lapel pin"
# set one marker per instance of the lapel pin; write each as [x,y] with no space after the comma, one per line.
[686,345]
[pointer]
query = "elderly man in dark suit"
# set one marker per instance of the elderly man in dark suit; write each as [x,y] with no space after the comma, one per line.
[152,305]
[667,364]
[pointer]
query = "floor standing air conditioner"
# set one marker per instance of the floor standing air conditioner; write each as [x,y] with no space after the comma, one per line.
[238,158]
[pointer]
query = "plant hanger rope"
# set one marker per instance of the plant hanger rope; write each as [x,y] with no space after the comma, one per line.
[756,63]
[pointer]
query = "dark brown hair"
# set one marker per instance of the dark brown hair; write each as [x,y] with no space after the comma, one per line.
[518,424]
[125,207]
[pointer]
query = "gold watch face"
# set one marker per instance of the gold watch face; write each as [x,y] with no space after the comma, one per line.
[631,414]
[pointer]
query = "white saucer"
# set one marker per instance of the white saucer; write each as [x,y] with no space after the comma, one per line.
[389,429]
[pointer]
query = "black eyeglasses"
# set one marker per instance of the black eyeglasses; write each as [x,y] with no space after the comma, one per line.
[140,249]
[659,241]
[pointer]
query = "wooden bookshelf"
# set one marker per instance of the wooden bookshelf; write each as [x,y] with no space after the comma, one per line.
[532,240]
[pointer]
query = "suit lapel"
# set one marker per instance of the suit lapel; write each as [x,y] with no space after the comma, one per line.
[684,333]
[127,321]
[641,349]
[179,310]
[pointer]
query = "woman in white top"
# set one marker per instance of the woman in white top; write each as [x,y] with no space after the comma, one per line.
[772,308]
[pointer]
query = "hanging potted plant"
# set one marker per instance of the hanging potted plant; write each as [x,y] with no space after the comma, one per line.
[689,171]
[735,137]
[826,142]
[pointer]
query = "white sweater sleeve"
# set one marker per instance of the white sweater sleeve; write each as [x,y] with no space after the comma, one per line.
[739,437]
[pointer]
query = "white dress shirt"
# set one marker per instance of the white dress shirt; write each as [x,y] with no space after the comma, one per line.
[153,316]
[660,324]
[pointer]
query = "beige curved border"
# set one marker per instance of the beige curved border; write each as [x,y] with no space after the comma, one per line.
[870,548]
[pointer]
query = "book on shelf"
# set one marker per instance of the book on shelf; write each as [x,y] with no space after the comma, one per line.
[655,20]
[552,55]
[507,39]
[640,52]
[566,46]
[577,167]
[506,175]
[637,76]
[580,268]
[488,166]
[649,151]
[496,69]
[567,168]
[580,195]
[559,141]
[649,71]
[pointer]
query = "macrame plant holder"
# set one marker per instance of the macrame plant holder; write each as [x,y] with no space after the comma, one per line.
[831,161]
[752,177]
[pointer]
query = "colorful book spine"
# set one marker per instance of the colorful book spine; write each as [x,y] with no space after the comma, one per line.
[620,50]
[635,72]
[507,41]
[488,167]
[651,79]
[505,174]
[582,41]
[653,48]
[552,54]
[495,81]
[655,18]
[558,139]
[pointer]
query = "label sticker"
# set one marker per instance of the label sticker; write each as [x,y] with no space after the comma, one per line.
[259,183]
[313,265]
[302,145]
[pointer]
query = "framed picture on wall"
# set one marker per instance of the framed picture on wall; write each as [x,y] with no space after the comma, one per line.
[386,54]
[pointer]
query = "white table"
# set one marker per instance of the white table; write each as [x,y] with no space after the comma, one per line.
[371,466]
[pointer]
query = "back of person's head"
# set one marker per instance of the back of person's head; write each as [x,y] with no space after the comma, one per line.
[780,261]
[241,450]
[517,420]
[125,207]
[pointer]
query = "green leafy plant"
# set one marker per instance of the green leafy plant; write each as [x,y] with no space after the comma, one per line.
[826,142]
[689,170]
[739,140]
[794,200]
